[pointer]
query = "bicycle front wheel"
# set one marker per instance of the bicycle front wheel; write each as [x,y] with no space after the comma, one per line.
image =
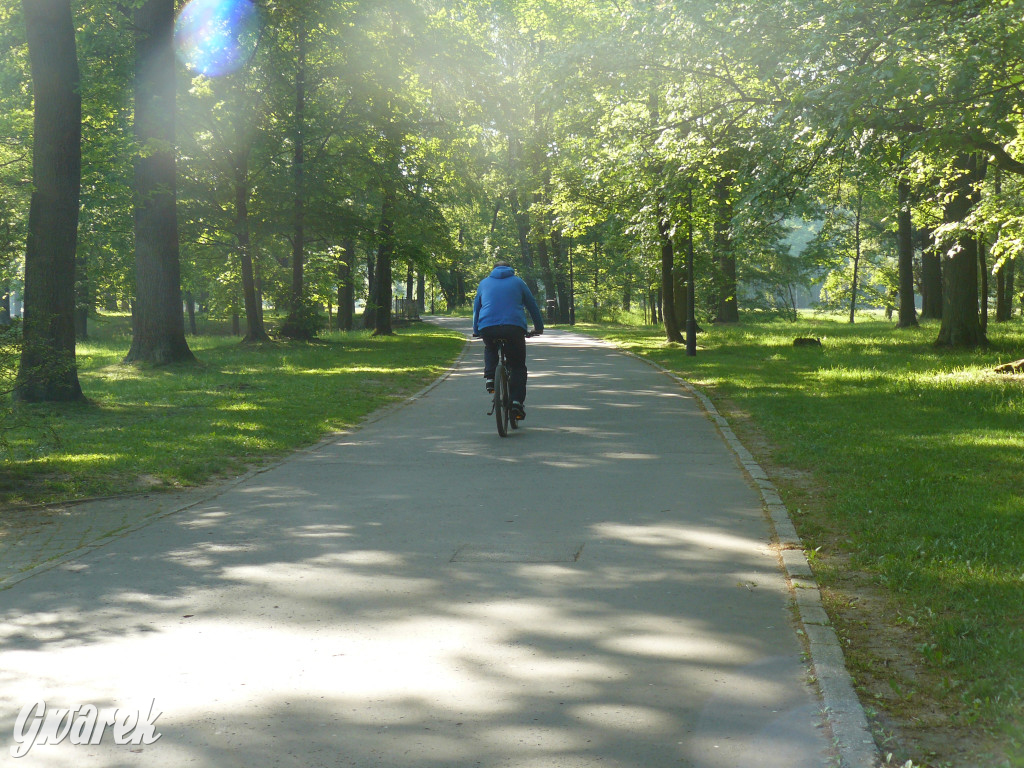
[501,399]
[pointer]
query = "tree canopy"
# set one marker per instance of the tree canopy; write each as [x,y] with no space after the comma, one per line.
[344,150]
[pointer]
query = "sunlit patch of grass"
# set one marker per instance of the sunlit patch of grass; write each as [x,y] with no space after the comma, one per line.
[88,459]
[917,460]
[185,424]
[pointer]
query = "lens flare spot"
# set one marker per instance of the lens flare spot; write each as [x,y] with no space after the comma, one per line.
[217,37]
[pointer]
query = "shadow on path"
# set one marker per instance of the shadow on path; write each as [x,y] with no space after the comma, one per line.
[597,589]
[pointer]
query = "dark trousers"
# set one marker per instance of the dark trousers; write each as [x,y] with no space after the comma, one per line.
[515,356]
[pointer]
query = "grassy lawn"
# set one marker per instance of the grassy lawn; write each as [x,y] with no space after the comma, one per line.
[902,466]
[144,428]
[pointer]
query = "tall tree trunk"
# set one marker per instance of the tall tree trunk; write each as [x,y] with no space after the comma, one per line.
[158,321]
[460,288]
[728,306]
[931,278]
[856,254]
[691,287]
[668,308]
[258,275]
[1001,294]
[547,248]
[522,220]
[190,308]
[561,273]
[47,370]
[254,330]
[547,275]
[84,300]
[679,297]
[1010,268]
[983,276]
[5,303]
[905,256]
[421,292]
[296,326]
[299,174]
[1004,290]
[385,250]
[346,269]
[447,283]
[961,326]
[370,307]
[1005,273]
[5,283]
[543,227]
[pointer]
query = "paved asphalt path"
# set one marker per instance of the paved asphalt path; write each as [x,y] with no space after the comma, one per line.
[598,589]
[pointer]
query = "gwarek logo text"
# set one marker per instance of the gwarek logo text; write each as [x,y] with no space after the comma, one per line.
[82,724]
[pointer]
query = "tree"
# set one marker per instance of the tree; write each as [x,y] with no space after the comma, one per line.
[217,182]
[728,304]
[47,370]
[390,171]
[297,325]
[105,239]
[158,322]
[905,249]
[255,331]
[961,325]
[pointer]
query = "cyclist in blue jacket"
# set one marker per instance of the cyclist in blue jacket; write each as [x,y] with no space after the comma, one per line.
[499,311]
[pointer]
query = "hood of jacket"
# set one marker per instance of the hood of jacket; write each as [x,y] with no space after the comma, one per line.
[501,273]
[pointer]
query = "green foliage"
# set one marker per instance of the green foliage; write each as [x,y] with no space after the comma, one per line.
[877,287]
[10,352]
[304,321]
[515,126]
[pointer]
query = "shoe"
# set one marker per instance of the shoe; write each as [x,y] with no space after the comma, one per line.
[518,411]
[489,386]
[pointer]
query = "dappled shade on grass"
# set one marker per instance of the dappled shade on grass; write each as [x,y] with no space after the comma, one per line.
[180,425]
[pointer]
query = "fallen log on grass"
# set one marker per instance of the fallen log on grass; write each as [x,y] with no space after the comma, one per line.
[1015,367]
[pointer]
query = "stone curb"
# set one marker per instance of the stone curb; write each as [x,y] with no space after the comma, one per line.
[843,710]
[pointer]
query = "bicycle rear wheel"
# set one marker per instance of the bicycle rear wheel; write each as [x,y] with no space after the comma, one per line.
[501,399]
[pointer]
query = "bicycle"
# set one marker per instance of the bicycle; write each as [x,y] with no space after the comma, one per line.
[501,403]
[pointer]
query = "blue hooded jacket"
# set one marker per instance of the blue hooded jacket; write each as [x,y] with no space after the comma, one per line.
[501,300]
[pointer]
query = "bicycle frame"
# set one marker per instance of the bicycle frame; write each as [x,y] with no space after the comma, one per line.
[501,404]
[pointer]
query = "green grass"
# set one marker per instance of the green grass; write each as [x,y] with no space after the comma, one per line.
[915,459]
[144,428]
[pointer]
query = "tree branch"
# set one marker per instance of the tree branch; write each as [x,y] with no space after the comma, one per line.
[1003,158]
